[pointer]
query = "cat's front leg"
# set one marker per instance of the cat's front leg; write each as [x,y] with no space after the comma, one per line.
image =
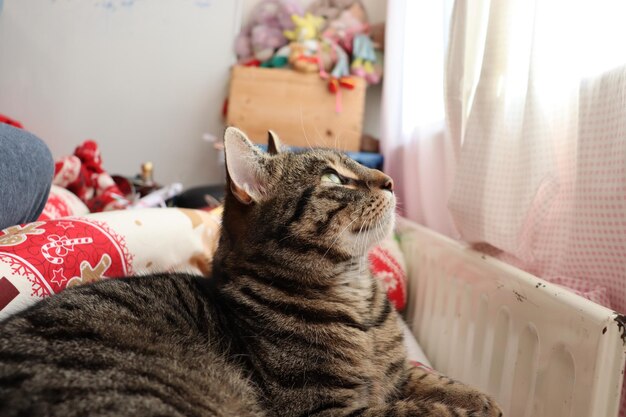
[425,386]
[420,408]
[410,408]
[425,393]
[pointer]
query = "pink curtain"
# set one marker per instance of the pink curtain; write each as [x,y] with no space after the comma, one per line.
[418,152]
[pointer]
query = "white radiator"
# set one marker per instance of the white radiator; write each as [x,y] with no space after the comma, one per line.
[540,350]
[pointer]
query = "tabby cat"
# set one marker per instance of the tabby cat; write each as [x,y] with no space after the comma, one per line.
[288,325]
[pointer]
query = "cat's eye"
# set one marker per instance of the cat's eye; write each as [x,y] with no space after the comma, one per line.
[331,177]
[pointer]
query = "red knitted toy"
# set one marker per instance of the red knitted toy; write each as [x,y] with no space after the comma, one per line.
[82,173]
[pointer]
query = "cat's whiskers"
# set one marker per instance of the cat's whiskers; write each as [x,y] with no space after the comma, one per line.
[338,236]
[398,206]
[380,233]
[338,137]
[362,245]
[320,136]
[366,242]
[303,129]
[356,244]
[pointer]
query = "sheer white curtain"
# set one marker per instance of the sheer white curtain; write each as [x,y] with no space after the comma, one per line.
[526,144]
[418,152]
[541,171]
[525,147]
[537,97]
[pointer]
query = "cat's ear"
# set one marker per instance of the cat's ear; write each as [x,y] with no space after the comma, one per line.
[244,167]
[273,143]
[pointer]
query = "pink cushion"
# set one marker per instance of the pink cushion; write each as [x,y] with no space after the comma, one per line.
[387,264]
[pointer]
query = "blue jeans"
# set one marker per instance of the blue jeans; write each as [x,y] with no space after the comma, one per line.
[26,171]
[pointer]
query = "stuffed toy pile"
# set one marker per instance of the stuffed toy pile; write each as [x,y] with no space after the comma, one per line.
[331,38]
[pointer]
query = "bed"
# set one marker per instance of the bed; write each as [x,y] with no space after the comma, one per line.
[538,348]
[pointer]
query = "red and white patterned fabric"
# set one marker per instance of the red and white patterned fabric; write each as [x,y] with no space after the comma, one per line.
[62,203]
[42,258]
[386,263]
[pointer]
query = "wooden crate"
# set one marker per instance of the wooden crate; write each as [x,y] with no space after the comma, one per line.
[298,107]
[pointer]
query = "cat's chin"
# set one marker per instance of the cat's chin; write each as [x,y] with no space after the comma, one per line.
[362,239]
[386,227]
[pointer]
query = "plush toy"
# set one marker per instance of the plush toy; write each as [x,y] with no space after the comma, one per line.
[264,33]
[339,76]
[305,48]
[341,61]
[83,174]
[330,9]
[312,56]
[265,40]
[377,33]
[364,58]
[304,56]
[327,56]
[280,59]
[306,28]
[350,22]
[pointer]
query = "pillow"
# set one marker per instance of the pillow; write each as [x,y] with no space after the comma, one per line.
[62,203]
[387,264]
[42,258]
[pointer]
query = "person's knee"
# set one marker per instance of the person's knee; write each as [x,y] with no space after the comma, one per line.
[43,171]
[26,171]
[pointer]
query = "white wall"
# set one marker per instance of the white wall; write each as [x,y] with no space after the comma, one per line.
[145,78]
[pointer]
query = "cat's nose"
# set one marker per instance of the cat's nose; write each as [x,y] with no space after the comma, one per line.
[382,181]
[388,185]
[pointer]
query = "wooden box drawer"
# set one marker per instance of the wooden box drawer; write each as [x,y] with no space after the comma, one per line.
[298,107]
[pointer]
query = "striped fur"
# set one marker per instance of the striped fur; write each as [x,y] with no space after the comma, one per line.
[289,324]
